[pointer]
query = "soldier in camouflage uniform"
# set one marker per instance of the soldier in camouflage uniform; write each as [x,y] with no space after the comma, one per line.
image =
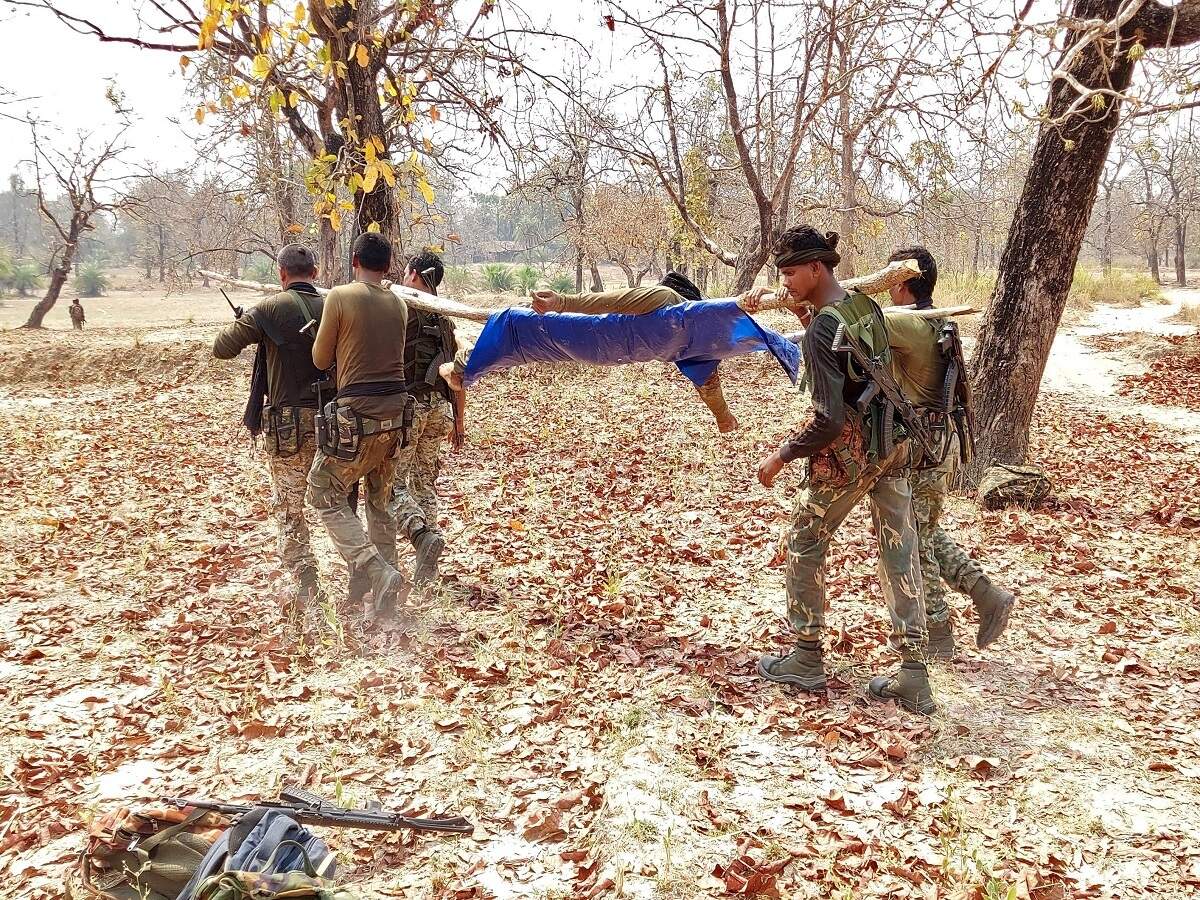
[920,368]
[429,342]
[283,377]
[361,334]
[845,463]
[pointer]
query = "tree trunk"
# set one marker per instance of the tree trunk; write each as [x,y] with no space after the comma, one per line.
[58,276]
[631,279]
[750,261]
[597,284]
[329,272]
[579,273]
[1039,256]
[1152,259]
[1106,255]
[1180,253]
[162,254]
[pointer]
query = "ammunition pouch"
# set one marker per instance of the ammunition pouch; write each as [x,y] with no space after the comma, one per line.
[285,429]
[340,430]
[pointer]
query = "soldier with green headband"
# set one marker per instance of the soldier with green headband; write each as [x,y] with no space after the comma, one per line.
[850,453]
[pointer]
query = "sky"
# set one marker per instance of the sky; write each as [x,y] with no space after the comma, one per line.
[61,77]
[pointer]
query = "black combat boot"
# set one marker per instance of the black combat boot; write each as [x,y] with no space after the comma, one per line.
[909,687]
[389,588]
[941,640]
[994,606]
[802,667]
[359,585]
[429,546]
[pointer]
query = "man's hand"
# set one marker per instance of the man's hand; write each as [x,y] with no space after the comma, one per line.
[547,301]
[752,300]
[769,469]
[454,379]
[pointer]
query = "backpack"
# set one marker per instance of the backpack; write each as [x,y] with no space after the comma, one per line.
[263,842]
[240,885]
[147,854]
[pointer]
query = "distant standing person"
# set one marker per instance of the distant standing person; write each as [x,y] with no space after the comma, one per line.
[77,317]
[362,333]
[282,406]
[428,343]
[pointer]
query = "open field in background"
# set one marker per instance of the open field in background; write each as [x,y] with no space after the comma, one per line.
[582,684]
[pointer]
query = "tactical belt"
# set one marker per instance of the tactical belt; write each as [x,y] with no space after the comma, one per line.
[340,430]
[286,429]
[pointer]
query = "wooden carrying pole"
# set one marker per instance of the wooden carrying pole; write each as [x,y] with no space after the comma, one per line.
[417,299]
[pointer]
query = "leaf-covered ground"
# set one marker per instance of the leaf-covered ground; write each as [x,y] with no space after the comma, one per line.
[582,685]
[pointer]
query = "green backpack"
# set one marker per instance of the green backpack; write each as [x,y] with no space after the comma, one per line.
[268,886]
[148,853]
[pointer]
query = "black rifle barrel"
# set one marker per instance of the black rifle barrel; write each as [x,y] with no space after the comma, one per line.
[322,813]
[237,310]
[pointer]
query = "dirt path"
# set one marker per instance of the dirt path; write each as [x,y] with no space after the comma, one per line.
[1084,375]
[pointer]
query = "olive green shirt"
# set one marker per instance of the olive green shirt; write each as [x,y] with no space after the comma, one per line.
[362,331]
[917,363]
[630,301]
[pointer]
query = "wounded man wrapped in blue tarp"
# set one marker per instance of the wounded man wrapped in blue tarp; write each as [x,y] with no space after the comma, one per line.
[670,322]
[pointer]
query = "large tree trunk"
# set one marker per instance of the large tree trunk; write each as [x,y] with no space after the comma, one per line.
[330,271]
[750,260]
[1048,226]
[579,273]
[1152,259]
[597,284]
[343,27]
[1180,252]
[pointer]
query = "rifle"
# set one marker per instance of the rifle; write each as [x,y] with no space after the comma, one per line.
[238,312]
[882,382]
[956,391]
[309,809]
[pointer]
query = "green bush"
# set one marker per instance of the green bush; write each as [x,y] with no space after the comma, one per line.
[458,280]
[6,266]
[90,281]
[527,278]
[563,283]
[498,277]
[25,277]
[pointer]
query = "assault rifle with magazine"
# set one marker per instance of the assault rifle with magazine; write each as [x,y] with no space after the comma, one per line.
[882,382]
[310,809]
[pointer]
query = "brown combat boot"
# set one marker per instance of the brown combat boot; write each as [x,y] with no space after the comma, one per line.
[358,587]
[994,606]
[941,640]
[909,688]
[803,667]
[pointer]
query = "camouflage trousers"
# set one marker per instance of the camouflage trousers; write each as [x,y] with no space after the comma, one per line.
[330,481]
[289,482]
[414,501]
[827,495]
[943,562]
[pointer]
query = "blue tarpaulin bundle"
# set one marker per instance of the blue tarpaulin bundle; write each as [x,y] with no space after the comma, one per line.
[694,336]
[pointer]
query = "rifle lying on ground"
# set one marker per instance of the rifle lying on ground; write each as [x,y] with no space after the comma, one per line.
[310,809]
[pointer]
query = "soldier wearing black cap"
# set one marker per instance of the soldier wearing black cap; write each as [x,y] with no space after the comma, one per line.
[281,408]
